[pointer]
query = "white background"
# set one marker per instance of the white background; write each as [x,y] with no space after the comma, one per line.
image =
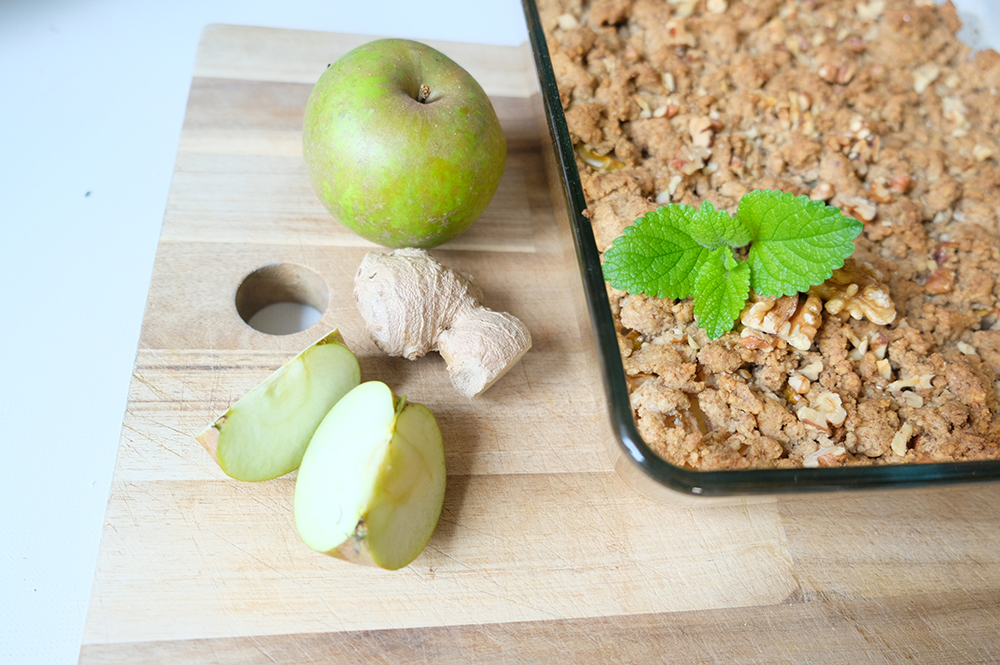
[92,97]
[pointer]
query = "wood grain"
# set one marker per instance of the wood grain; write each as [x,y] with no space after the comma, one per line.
[544,553]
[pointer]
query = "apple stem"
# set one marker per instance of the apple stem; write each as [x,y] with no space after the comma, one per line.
[425,92]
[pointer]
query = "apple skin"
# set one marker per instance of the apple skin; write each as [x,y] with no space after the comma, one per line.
[397,171]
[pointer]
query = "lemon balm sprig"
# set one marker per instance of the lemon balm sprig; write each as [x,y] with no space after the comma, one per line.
[678,251]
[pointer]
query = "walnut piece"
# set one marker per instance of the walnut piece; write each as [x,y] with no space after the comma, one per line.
[812,370]
[924,75]
[921,382]
[825,456]
[826,409]
[700,129]
[822,192]
[982,152]
[567,22]
[859,208]
[940,281]
[754,339]
[799,384]
[901,438]
[787,318]
[857,290]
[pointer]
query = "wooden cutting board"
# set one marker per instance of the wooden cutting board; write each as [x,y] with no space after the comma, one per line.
[543,553]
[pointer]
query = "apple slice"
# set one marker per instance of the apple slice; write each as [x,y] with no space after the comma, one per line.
[371,484]
[265,433]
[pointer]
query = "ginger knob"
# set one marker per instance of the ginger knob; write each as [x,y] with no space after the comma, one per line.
[412,304]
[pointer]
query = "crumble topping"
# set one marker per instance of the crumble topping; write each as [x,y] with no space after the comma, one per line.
[874,107]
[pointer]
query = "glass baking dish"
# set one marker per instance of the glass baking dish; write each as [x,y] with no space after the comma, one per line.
[637,462]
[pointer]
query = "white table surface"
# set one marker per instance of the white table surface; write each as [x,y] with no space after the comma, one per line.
[92,97]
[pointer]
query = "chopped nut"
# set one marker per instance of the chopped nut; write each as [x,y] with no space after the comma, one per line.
[684,7]
[881,192]
[828,72]
[568,22]
[668,81]
[829,404]
[955,111]
[668,194]
[912,399]
[822,192]
[924,75]
[754,339]
[825,456]
[922,382]
[812,370]
[941,254]
[812,417]
[870,10]
[846,73]
[767,314]
[901,438]
[851,337]
[884,369]
[716,6]
[857,290]
[785,317]
[940,281]
[900,183]
[859,208]
[828,410]
[700,129]
[792,395]
[644,110]
[804,323]
[878,344]
[982,152]
[966,349]
[860,350]
[799,383]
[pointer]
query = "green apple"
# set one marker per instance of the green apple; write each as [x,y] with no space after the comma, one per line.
[264,434]
[402,145]
[371,484]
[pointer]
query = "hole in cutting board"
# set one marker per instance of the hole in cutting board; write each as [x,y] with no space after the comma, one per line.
[282,299]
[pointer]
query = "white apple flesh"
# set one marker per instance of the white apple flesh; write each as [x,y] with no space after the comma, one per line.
[371,484]
[264,434]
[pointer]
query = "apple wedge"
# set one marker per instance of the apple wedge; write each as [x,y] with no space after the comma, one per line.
[371,484]
[265,433]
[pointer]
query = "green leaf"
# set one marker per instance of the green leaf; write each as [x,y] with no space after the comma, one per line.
[717,228]
[656,255]
[796,242]
[721,289]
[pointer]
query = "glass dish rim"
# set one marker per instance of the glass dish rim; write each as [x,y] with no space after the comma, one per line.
[689,481]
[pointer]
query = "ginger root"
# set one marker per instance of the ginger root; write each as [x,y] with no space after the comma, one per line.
[412,304]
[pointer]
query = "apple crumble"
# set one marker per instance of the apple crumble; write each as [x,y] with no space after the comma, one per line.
[875,107]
